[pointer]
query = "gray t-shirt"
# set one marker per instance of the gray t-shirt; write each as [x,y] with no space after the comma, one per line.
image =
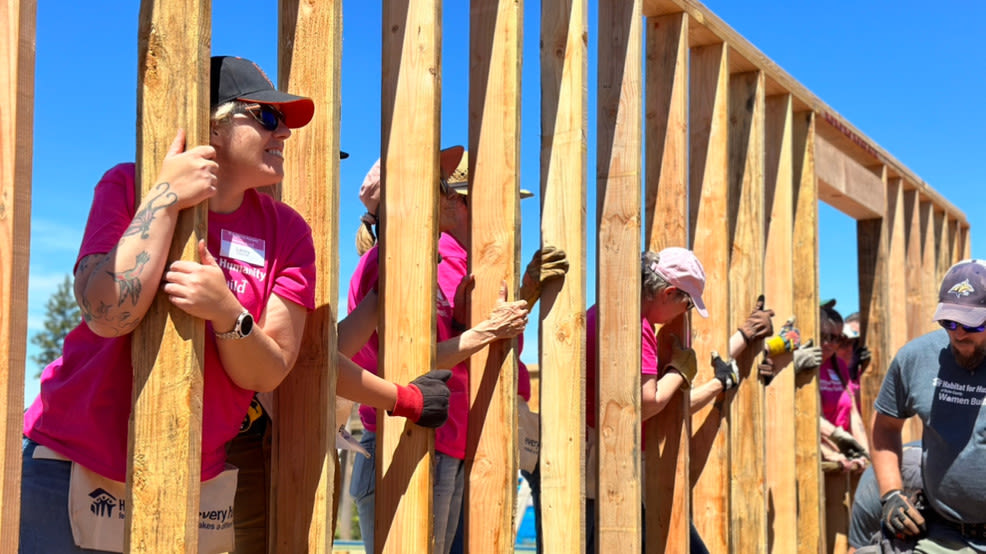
[924,379]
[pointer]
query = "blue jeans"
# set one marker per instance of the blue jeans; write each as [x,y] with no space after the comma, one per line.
[448,482]
[45,526]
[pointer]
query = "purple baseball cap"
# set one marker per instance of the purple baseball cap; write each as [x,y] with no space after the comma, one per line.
[962,297]
[682,270]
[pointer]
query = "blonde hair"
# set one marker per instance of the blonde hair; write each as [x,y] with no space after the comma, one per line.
[364,239]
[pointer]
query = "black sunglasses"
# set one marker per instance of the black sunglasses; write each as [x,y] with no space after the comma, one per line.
[268,116]
[953,325]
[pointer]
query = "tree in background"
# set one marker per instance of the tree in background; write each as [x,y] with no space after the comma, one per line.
[61,316]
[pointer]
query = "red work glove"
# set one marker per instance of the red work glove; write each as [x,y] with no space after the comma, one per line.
[424,401]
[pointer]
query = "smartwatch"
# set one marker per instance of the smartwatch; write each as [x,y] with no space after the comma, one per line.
[242,329]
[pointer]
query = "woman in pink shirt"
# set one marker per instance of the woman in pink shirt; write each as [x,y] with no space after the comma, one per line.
[254,287]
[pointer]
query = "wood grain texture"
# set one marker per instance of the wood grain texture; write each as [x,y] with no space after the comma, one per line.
[875,286]
[781,495]
[837,512]
[17,21]
[494,174]
[618,181]
[847,185]
[408,232]
[666,462]
[564,127]
[304,461]
[929,264]
[811,522]
[709,212]
[896,290]
[165,441]
[916,310]
[747,508]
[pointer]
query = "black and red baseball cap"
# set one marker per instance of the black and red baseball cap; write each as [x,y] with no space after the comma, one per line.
[234,78]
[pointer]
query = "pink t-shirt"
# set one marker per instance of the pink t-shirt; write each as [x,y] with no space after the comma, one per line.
[363,281]
[648,358]
[837,404]
[453,267]
[82,412]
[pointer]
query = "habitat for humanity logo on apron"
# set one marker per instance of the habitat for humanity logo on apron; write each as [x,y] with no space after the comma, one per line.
[97,508]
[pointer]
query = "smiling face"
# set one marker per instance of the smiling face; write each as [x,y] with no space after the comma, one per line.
[249,155]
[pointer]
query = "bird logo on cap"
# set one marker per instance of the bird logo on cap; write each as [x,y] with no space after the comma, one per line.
[961,289]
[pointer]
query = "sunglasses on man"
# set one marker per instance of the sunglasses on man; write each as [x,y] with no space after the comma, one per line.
[953,325]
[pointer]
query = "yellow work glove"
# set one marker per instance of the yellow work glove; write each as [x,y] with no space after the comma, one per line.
[546,264]
[683,361]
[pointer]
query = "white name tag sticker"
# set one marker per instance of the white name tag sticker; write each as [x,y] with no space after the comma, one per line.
[243,248]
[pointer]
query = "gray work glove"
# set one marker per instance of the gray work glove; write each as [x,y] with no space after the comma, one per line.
[808,357]
[900,516]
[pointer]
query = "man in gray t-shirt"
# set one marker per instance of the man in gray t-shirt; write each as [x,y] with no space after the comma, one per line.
[940,377]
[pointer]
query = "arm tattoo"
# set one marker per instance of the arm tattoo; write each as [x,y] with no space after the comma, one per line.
[129,280]
[142,220]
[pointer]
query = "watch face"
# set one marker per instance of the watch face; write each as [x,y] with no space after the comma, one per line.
[246,325]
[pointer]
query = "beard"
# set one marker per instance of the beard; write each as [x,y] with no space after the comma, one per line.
[971,361]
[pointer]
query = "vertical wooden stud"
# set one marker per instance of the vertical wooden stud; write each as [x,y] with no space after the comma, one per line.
[410,99]
[666,462]
[875,287]
[916,311]
[165,442]
[618,507]
[811,524]
[564,124]
[929,264]
[781,486]
[304,464]
[897,288]
[494,174]
[709,210]
[747,508]
[18,20]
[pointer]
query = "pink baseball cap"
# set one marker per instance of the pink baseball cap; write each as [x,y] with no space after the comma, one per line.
[682,270]
[369,191]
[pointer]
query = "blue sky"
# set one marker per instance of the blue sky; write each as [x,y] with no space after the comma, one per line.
[908,77]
